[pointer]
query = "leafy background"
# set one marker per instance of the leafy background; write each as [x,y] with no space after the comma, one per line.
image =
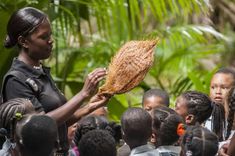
[197,37]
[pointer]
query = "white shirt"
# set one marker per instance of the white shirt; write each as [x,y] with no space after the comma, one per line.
[144,150]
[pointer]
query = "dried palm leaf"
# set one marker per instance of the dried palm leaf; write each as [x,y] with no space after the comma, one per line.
[129,67]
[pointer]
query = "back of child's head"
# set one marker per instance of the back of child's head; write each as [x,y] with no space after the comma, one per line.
[167,125]
[36,135]
[9,109]
[136,124]
[93,122]
[199,105]
[97,143]
[157,93]
[199,141]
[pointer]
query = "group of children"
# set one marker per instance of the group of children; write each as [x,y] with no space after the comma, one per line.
[199,125]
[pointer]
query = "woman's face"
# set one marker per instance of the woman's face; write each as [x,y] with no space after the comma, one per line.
[39,43]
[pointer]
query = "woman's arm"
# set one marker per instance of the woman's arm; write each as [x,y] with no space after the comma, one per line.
[64,113]
[96,102]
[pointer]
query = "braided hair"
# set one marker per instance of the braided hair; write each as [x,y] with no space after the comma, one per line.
[165,122]
[199,105]
[199,141]
[9,109]
[230,118]
[218,120]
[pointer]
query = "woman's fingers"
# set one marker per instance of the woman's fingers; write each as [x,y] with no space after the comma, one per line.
[97,75]
[93,79]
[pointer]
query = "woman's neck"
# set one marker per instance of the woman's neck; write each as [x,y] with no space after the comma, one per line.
[27,60]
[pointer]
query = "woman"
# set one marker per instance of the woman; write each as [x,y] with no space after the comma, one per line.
[30,30]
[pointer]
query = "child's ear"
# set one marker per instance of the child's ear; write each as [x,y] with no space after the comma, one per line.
[123,136]
[153,138]
[189,119]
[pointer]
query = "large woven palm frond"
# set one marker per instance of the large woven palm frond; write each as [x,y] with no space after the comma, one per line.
[129,67]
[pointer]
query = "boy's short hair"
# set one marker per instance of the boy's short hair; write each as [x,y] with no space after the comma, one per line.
[97,143]
[136,124]
[157,93]
[36,134]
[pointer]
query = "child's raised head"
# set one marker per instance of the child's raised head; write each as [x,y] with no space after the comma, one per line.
[155,97]
[136,125]
[222,81]
[167,126]
[199,141]
[194,107]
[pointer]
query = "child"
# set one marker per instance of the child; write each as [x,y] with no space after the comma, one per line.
[136,124]
[167,128]
[97,143]
[155,97]
[194,107]
[221,83]
[36,135]
[93,122]
[199,141]
[8,110]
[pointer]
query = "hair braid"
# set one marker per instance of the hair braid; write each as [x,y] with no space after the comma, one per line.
[231,104]
[198,104]
[9,109]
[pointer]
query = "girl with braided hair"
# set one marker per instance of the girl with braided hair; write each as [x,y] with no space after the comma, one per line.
[194,107]
[221,84]
[199,141]
[8,110]
[167,127]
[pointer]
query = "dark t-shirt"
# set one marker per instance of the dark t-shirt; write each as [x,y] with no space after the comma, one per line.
[47,98]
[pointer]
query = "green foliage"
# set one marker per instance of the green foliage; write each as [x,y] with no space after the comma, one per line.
[87,33]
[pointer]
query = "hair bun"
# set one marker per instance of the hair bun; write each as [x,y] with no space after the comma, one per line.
[9,42]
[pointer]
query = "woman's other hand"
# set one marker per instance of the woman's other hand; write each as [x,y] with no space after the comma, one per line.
[97,101]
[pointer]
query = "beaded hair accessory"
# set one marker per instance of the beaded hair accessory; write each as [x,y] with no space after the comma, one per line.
[17,117]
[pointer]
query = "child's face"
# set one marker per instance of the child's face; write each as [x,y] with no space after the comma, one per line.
[152,102]
[220,85]
[181,107]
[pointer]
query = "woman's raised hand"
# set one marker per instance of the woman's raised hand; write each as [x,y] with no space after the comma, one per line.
[92,81]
